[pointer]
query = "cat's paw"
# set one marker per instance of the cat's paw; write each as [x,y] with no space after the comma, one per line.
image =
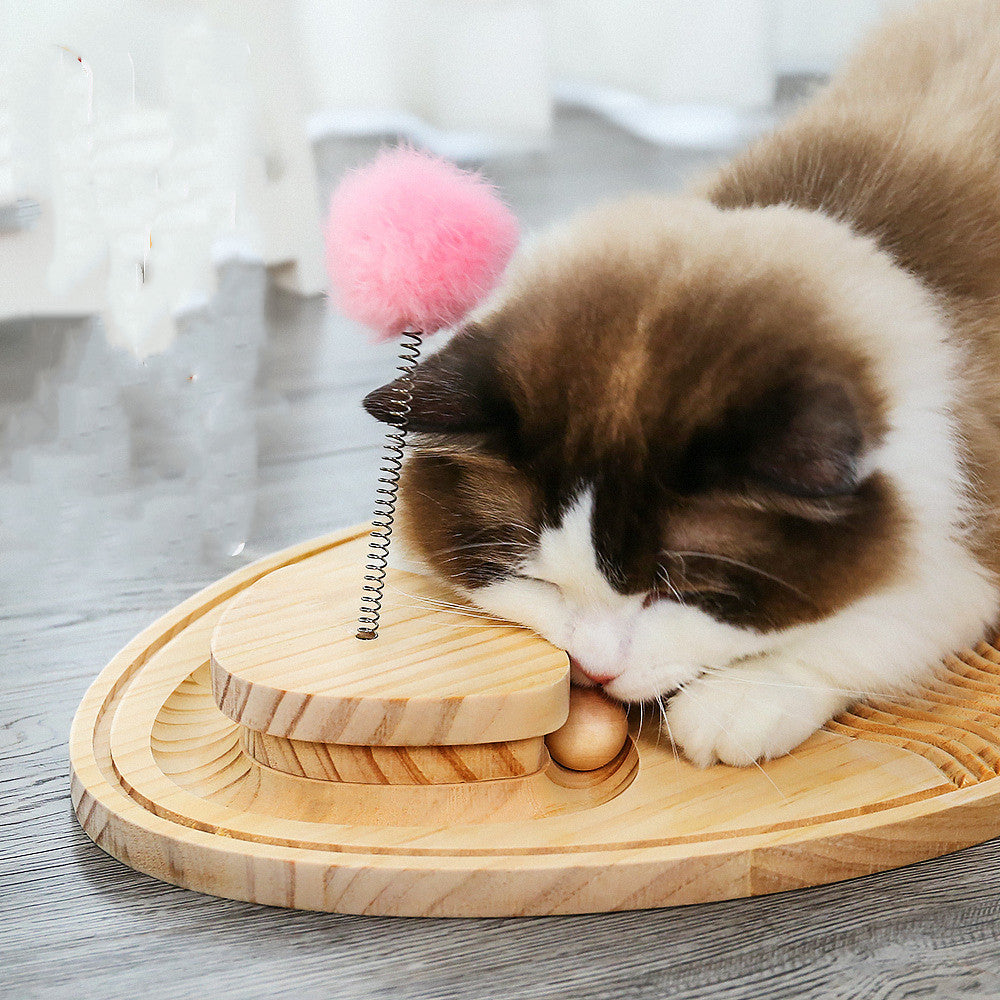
[750,711]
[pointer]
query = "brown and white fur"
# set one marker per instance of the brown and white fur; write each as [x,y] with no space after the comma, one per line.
[739,451]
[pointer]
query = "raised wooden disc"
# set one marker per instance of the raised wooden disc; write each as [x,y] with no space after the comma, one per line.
[161,781]
[286,661]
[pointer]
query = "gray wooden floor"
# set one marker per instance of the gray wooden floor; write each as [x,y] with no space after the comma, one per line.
[125,487]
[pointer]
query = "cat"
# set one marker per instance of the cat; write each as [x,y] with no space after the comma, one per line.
[738,451]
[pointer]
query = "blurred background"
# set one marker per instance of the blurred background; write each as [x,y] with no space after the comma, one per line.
[177,395]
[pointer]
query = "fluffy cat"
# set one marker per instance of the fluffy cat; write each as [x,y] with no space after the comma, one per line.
[739,451]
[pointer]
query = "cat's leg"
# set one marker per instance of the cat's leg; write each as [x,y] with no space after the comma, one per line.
[757,709]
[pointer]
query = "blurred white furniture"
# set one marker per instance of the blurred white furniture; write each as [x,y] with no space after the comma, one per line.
[156,139]
[469,77]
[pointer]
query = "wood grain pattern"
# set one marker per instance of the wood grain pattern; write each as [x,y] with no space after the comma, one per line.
[162,781]
[954,723]
[396,765]
[285,661]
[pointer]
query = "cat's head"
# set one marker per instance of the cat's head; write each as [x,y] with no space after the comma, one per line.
[655,444]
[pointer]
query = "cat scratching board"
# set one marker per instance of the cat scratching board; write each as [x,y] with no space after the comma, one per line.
[247,745]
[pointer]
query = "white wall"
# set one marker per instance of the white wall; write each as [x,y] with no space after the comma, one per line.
[814,36]
[710,52]
[155,137]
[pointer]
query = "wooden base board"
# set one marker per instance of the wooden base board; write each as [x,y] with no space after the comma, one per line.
[161,781]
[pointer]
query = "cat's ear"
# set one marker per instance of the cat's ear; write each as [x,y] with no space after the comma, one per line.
[456,391]
[805,439]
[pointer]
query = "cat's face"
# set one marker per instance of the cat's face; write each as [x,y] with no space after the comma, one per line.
[652,447]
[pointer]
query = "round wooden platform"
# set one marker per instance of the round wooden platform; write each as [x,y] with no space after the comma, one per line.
[286,661]
[168,783]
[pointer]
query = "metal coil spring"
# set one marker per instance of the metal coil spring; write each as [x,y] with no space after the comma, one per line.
[388,488]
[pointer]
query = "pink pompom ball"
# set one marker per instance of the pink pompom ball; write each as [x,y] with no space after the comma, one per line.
[413,242]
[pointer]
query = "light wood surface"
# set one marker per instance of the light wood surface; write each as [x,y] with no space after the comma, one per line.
[377,765]
[161,780]
[286,661]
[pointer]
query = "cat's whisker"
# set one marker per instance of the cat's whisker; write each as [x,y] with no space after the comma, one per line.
[731,674]
[486,624]
[429,600]
[510,527]
[662,573]
[666,722]
[461,557]
[506,543]
[440,605]
[762,702]
[729,560]
[728,732]
[483,556]
[426,604]
[628,712]
[464,612]
[437,501]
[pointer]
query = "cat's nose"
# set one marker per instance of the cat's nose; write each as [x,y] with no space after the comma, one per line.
[578,673]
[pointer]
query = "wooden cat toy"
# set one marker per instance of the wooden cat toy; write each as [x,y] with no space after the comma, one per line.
[260,742]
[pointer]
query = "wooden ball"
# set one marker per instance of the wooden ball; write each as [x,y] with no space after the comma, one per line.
[592,735]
